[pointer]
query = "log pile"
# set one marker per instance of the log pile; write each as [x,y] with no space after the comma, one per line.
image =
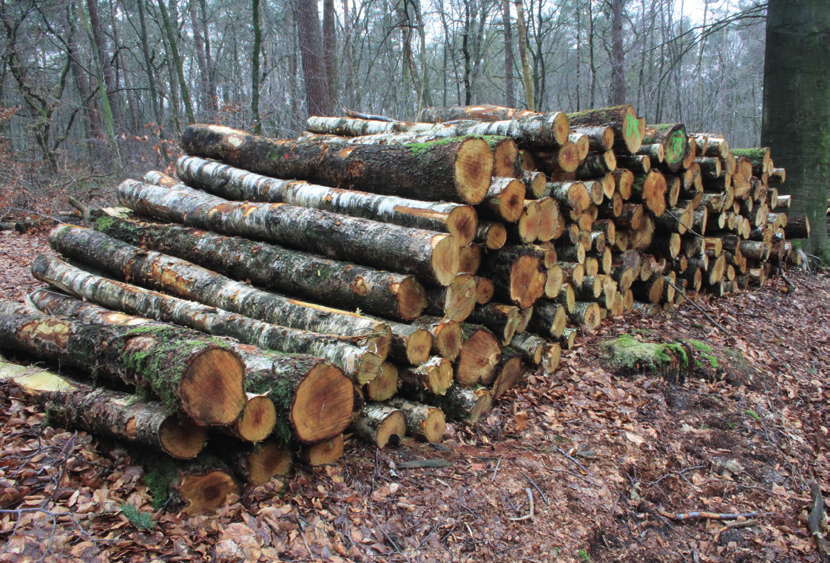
[378,277]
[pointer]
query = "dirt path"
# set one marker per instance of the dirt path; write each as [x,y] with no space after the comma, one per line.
[600,453]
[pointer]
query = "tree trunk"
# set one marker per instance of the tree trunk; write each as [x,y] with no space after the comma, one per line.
[238,185]
[617,53]
[517,275]
[455,301]
[306,275]
[182,368]
[112,414]
[434,375]
[357,363]
[188,281]
[505,200]
[796,92]
[481,112]
[170,32]
[509,98]
[433,256]
[311,49]
[255,72]
[441,170]
[447,336]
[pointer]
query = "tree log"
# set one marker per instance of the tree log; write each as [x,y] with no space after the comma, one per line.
[385,385]
[480,352]
[596,165]
[500,318]
[182,368]
[380,425]
[296,385]
[422,421]
[447,336]
[359,364]
[238,185]
[548,319]
[675,140]
[650,189]
[530,346]
[551,161]
[306,275]
[509,372]
[188,281]
[258,464]
[493,235]
[104,412]
[435,375]
[517,275]
[505,199]
[428,254]
[623,119]
[441,170]
[455,301]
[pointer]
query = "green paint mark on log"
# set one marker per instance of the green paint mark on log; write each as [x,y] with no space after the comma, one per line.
[675,147]
[632,127]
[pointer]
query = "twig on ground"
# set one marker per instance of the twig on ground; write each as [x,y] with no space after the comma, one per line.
[535,486]
[529,515]
[564,453]
[814,521]
[699,308]
[496,470]
[683,516]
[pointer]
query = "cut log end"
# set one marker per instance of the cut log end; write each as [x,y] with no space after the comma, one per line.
[385,385]
[462,223]
[212,387]
[269,460]
[445,259]
[257,420]
[325,385]
[327,452]
[448,340]
[418,347]
[527,281]
[478,358]
[473,170]
[181,438]
[205,492]
[412,299]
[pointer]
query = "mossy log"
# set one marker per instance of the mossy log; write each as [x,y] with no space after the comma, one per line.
[302,274]
[358,363]
[430,255]
[422,421]
[107,413]
[440,170]
[184,369]
[186,280]
[669,360]
[239,185]
[623,119]
[500,318]
[480,352]
[296,385]
[380,425]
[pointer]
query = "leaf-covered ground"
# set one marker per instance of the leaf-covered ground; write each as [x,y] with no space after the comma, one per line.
[600,453]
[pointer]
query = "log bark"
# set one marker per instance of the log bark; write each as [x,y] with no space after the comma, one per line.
[296,385]
[380,425]
[556,122]
[623,119]
[798,226]
[531,347]
[433,256]
[535,184]
[596,165]
[500,318]
[159,179]
[183,369]
[460,403]
[509,372]
[359,364]
[480,352]
[422,421]
[306,275]
[411,344]
[548,319]
[600,138]
[100,411]
[551,222]
[638,164]
[565,159]
[583,144]
[188,281]
[587,314]
[574,195]
[442,170]
[650,189]
[239,185]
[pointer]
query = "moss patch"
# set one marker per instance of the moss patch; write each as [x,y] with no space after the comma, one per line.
[627,355]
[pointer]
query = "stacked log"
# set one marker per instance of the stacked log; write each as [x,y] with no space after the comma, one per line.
[383,276]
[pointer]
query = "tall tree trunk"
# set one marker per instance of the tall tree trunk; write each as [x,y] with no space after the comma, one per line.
[426,92]
[99,48]
[617,54]
[329,48]
[348,85]
[526,74]
[201,58]
[796,122]
[255,68]
[509,98]
[93,117]
[311,51]
[170,32]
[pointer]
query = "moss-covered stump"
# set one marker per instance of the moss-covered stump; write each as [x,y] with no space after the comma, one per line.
[673,360]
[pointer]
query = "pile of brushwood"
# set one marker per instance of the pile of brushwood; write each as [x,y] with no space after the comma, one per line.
[374,277]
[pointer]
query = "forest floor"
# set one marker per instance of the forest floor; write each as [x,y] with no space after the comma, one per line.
[600,453]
